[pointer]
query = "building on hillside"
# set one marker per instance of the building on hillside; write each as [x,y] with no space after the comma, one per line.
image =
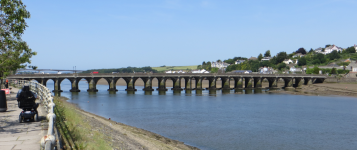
[266,70]
[253,58]
[328,50]
[170,71]
[294,70]
[242,71]
[266,58]
[319,50]
[288,61]
[355,47]
[297,55]
[239,62]
[200,71]
[219,65]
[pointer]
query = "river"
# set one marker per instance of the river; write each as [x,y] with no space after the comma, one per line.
[229,121]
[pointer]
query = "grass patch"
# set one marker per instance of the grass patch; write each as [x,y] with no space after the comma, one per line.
[76,132]
[166,68]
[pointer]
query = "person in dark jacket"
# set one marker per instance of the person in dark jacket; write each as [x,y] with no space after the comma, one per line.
[26,95]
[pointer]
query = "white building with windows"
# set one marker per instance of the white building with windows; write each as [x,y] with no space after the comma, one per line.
[239,62]
[219,65]
[288,61]
[200,71]
[328,50]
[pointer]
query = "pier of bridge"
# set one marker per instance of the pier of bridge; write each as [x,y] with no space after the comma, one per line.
[241,81]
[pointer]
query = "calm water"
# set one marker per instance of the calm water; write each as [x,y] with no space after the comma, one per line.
[229,121]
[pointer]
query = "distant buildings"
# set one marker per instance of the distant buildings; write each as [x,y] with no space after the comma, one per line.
[266,58]
[170,71]
[253,58]
[200,71]
[293,69]
[288,61]
[220,65]
[242,71]
[297,55]
[355,47]
[266,70]
[239,62]
[328,50]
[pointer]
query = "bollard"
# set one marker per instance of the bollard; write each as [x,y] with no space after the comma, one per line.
[3,103]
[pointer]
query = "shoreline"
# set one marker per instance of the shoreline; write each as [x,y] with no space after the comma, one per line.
[130,137]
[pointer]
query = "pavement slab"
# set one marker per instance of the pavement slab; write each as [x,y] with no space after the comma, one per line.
[20,136]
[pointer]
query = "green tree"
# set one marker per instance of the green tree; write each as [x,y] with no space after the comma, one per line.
[14,51]
[267,54]
[302,61]
[281,56]
[282,66]
[316,70]
[344,64]
[327,45]
[260,57]
[350,50]
[301,50]
[229,61]
[214,70]
[334,55]
[311,50]
[333,71]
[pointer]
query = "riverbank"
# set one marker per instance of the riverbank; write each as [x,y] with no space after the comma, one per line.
[116,135]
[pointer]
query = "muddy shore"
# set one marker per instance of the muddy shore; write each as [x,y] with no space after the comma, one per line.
[122,136]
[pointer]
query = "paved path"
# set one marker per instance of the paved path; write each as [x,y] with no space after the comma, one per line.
[20,136]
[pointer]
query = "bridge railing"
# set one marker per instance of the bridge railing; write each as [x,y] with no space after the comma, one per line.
[48,142]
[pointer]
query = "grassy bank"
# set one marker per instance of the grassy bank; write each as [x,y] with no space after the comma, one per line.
[166,68]
[76,131]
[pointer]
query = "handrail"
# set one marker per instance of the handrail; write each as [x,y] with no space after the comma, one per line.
[44,94]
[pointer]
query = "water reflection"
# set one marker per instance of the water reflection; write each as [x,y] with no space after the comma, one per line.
[238,91]
[211,92]
[248,91]
[148,93]
[258,91]
[199,92]
[177,92]
[57,93]
[188,91]
[130,92]
[226,91]
[162,92]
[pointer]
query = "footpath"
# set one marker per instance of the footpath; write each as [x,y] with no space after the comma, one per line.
[20,136]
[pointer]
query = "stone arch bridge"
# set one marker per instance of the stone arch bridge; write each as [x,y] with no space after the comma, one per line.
[247,80]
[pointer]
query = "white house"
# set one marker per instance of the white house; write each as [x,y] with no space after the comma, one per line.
[328,50]
[170,71]
[293,69]
[266,59]
[331,48]
[288,61]
[266,70]
[355,47]
[200,71]
[239,62]
[298,55]
[219,65]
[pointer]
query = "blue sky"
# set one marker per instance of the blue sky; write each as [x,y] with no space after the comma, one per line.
[114,34]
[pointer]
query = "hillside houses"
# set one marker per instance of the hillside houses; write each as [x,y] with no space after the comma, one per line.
[219,65]
[328,50]
[239,62]
[355,47]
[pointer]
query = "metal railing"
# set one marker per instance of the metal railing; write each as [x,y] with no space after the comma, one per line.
[48,142]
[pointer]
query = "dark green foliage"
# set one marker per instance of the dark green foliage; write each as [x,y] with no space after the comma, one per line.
[302,61]
[301,50]
[334,55]
[229,61]
[214,70]
[327,45]
[281,56]
[340,71]
[350,50]
[314,70]
[282,66]
[319,58]
[267,54]
[333,71]
[311,50]
[14,51]
[260,57]
[123,70]
[206,66]
[240,58]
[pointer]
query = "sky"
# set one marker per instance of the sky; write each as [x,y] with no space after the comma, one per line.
[92,34]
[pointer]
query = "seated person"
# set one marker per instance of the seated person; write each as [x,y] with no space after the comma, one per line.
[27,97]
